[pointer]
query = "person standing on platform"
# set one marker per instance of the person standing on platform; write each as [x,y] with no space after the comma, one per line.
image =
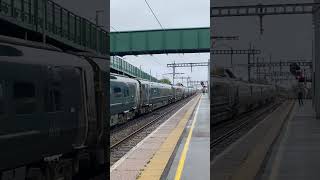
[300,96]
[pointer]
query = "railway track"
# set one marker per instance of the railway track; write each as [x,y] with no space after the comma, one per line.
[126,136]
[229,132]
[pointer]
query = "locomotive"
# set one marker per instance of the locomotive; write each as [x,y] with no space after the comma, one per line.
[130,97]
[232,96]
[52,112]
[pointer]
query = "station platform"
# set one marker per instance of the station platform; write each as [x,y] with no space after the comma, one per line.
[192,159]
[243,159]
[296,153]
[152,158]
[284,146]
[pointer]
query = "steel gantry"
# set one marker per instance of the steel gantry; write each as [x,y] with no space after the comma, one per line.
[182,78]
[262,10]
[214,39]
[251,52]
[175,65]
[236,51]
[281,63]
[199,83]
[224,37]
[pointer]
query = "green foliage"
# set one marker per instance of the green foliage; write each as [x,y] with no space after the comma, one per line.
[166,81]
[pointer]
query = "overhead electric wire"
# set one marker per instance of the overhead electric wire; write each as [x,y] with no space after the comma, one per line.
[154,15]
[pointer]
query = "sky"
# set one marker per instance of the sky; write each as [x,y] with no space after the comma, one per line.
[127,15]
[286,37]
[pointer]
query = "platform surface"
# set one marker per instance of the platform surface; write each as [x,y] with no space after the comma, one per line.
[148,159]
[197,159]
[296,154]
[242,159]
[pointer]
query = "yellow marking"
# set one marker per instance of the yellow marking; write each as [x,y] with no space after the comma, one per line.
[186,148]
[160,159]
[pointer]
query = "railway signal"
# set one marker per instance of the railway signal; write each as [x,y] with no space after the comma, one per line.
[295,69]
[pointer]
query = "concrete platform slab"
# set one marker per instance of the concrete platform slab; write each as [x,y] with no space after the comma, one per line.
[296,155]
[148,159]
[197,160]
[243,159]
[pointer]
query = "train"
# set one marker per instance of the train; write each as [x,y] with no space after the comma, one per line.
[52,112]
[232,96]
[131,97]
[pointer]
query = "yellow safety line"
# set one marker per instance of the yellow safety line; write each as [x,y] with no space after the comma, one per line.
[186,147]
[157,164]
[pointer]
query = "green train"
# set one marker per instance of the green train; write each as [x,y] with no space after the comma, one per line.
[52,112]
[232,97]
[131,97]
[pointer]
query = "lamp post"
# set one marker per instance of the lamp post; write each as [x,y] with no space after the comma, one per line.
[97,25]
[97,17]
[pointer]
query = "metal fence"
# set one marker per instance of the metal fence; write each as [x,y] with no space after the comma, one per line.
[58,22]
[121,65]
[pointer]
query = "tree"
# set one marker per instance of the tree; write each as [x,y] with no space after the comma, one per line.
[165,80]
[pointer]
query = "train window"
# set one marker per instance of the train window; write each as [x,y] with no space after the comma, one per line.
[117,91]
[23,90]
[53,100]
[24,96]
[155,91]
[126,92]
[9,51]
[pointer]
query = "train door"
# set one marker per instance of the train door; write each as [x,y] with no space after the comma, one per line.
[146,92]
[133,103]
[126,97]
[22,123]
[64,105]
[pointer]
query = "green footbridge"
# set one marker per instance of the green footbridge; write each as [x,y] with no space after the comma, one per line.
[191,40]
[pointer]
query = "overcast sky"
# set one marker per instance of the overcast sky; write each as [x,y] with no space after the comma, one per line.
[285,36]
[126,15]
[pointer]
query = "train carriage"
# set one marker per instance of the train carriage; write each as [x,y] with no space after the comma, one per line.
[232,96]
[160,95]
[48,107]
[145,105]
[178,92]
[144,97]
[124,99]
